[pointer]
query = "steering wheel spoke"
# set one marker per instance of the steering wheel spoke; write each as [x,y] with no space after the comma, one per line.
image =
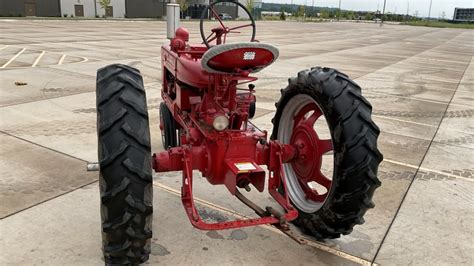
[214,13]
[209,39]
[241,26]
[220,33]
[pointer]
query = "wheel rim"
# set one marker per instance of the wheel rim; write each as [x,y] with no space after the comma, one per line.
[308,186]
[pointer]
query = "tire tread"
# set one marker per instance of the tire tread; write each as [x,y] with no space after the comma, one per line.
[354,137]
[125,165]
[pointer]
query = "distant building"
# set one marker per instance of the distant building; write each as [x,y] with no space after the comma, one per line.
[60,8]
[30,8]
[91,8]
[256,13]
[146,8]
[116,9]
[463,14]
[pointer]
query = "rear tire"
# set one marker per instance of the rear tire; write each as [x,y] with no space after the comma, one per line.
[125,165]
[354,141]
[169,128]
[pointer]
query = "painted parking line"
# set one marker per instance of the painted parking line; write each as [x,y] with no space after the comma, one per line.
[13,58]
[61,60]
[418,123]
[38,59]
[237,215]
[417,99]
[428,170]
[41,56]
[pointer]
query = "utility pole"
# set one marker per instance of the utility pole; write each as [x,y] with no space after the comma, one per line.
[408,11]
[383,12]
[429,12]
[339,15]
[292,8]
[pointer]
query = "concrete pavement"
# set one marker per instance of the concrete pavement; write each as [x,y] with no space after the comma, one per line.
[419,80]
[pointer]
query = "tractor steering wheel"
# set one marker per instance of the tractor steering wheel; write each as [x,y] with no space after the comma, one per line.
[222,30]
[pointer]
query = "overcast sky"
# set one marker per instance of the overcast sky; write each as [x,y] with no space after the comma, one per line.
[398,6]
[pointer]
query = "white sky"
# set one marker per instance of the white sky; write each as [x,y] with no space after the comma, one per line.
[398,6]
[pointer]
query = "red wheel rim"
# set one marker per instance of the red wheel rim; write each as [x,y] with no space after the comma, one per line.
[307,165]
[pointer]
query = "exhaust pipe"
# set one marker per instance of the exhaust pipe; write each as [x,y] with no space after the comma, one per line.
[172,19]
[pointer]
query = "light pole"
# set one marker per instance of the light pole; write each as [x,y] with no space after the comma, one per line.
[339,15]
[408,11]
[383,12]
[429,12]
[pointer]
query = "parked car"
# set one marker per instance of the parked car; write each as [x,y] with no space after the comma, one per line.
[225,16]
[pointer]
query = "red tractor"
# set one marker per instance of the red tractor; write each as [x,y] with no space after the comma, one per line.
[208,101]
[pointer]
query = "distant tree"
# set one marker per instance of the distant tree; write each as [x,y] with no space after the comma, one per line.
[369,16]
[250,5]
[349,15]
[104,4]
[300,11]
[183,6]
[324,14]
[282,14]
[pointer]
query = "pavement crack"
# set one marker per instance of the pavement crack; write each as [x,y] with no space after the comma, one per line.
[421,163]
[44,147]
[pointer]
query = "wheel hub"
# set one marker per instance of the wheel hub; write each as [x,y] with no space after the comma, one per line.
[307,165]
[304,139]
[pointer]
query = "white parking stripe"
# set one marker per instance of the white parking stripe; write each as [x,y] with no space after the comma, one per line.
[428,170]
[417,99]
[13,58]
[420,124]
[237,215]
[61,60]
[38,59]
[6,46]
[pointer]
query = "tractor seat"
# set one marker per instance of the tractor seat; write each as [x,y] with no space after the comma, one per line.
[237,57]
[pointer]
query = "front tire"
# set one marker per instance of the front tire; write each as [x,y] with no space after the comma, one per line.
[125,165]
[347,195]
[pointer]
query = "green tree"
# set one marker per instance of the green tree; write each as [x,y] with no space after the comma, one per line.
[324,14]
[282,14]
[250,5]
[104,4]
[183,6]
[300,11]
[369,16]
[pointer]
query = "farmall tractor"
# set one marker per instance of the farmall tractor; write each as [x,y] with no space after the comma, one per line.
[205,120]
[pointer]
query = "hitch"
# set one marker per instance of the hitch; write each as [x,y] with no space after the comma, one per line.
[188,158]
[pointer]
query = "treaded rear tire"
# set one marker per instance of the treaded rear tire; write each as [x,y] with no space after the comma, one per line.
[356,157]
[168,134]
[125,165]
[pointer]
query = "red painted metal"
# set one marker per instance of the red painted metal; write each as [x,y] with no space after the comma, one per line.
[262,58]
[310,150]
[233,157]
